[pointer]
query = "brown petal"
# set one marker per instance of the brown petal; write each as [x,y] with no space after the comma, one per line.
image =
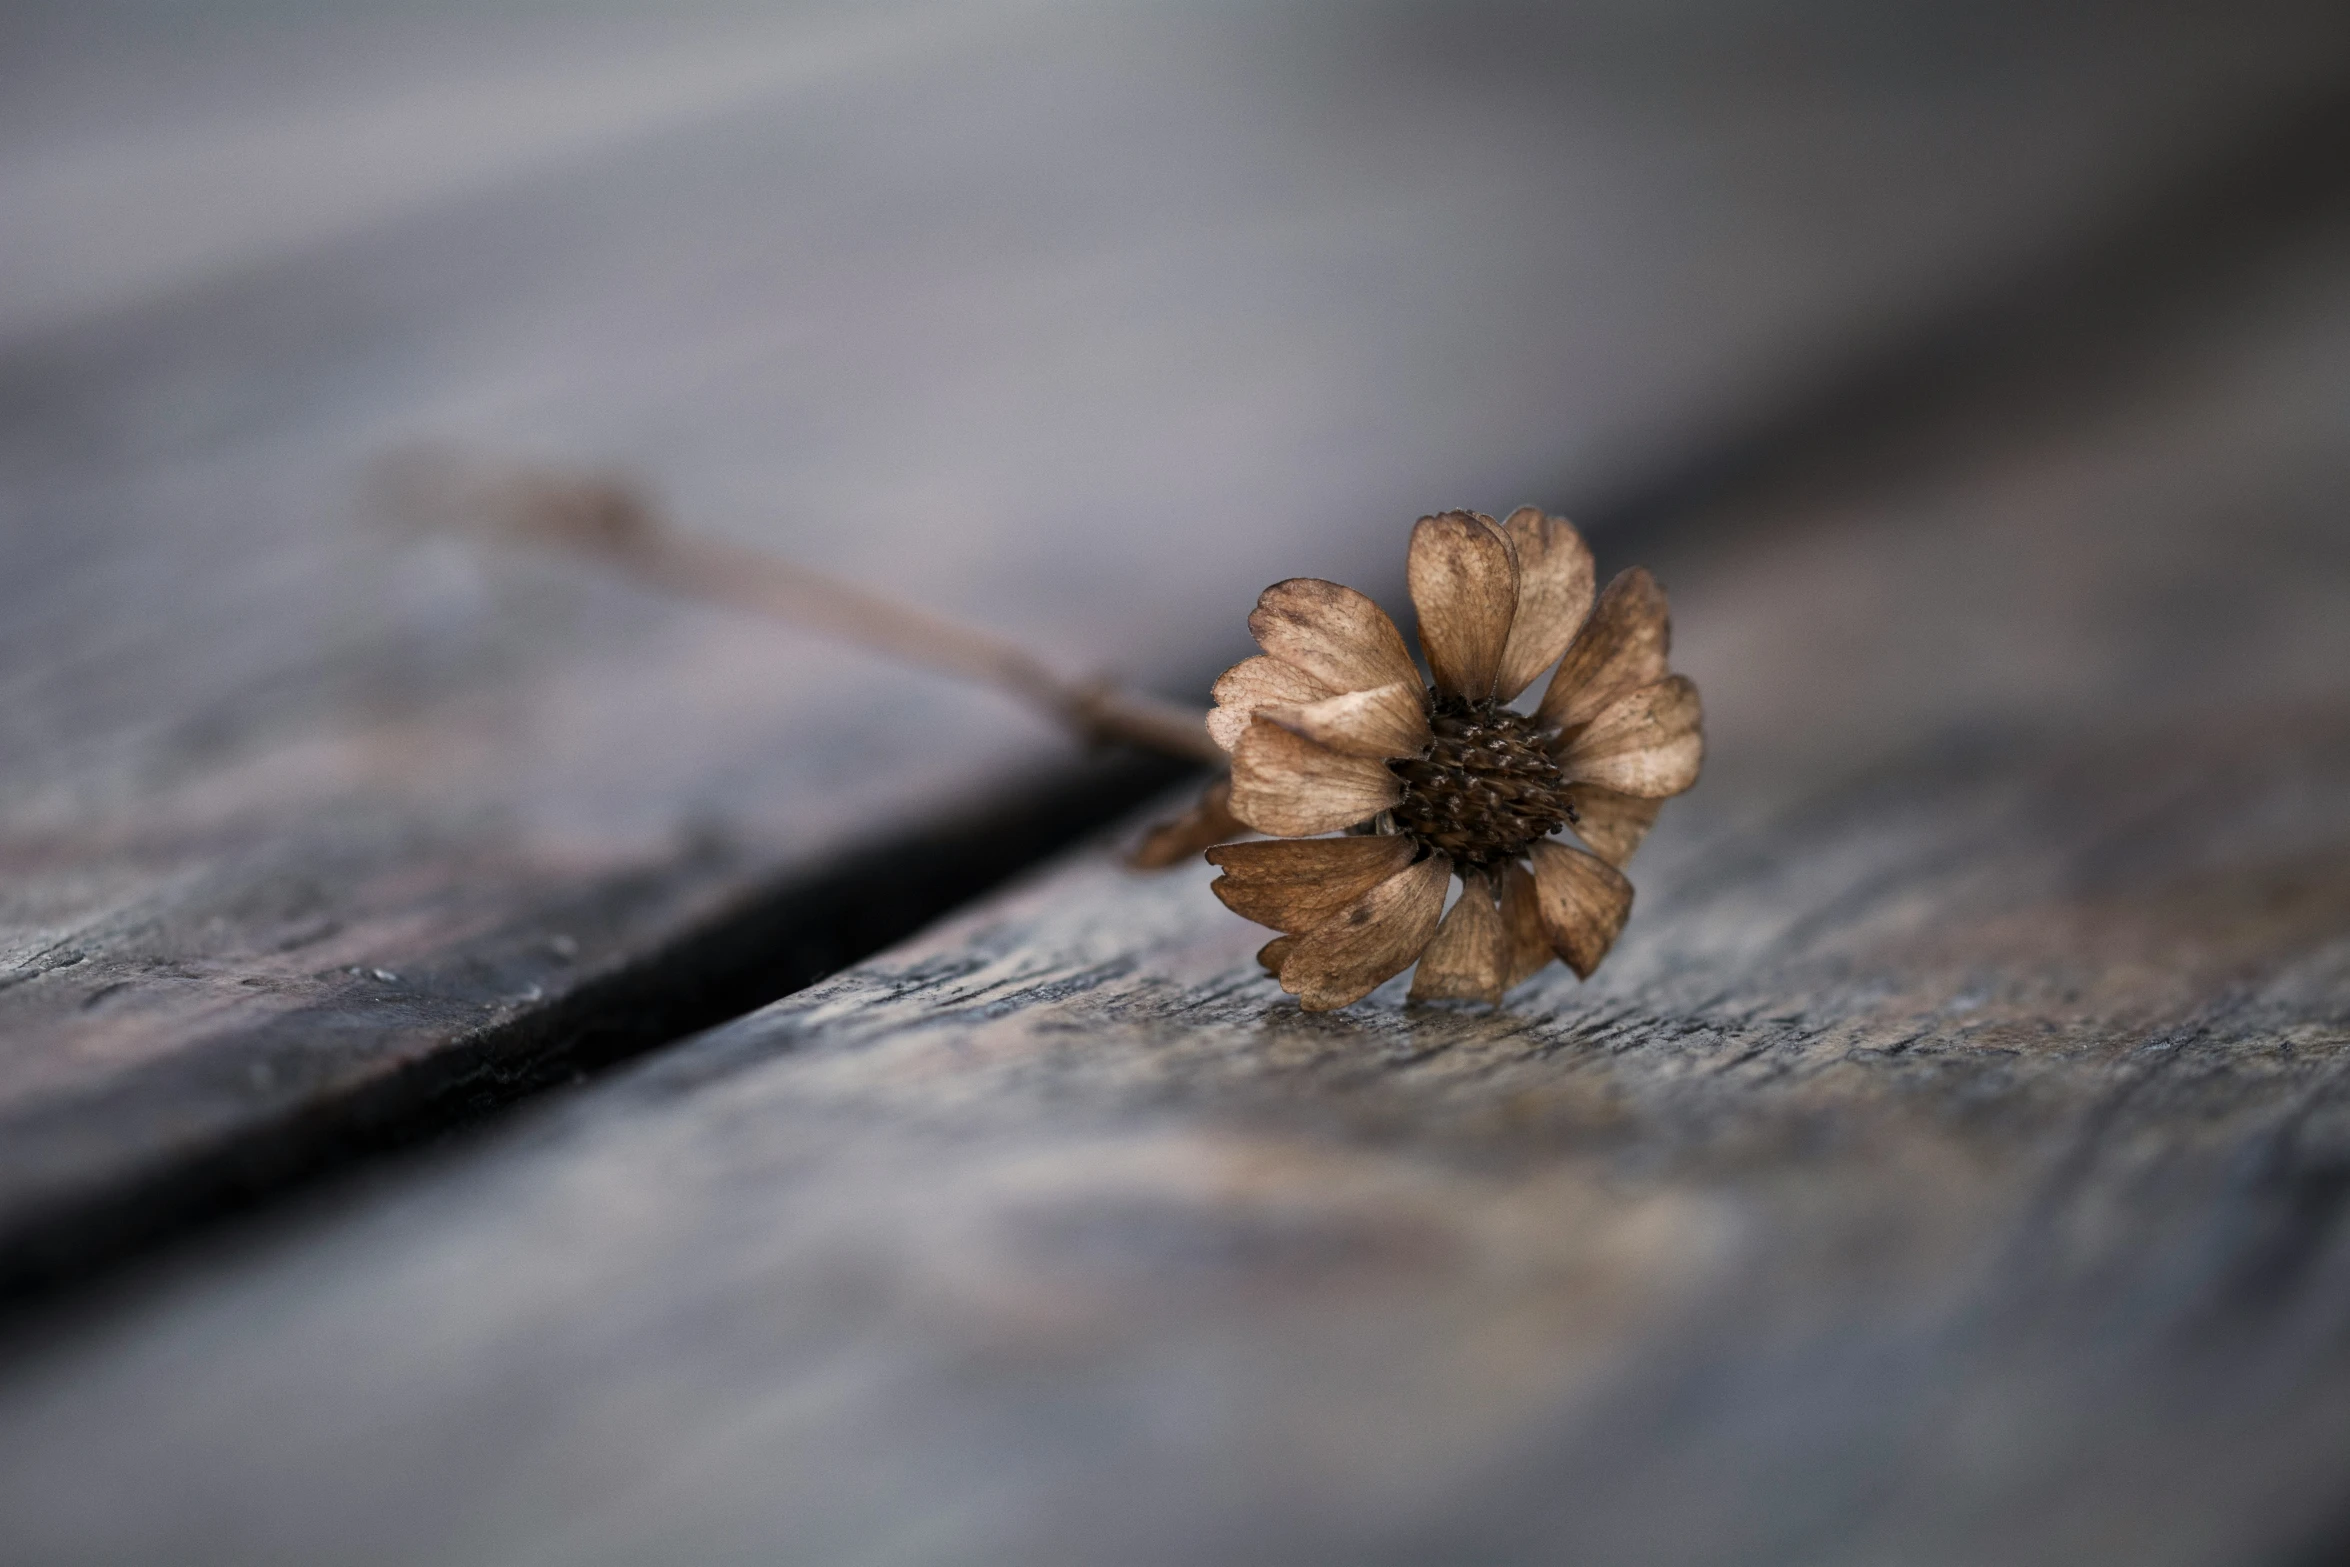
[1621,648]
[1613,824]
[1253,683]
[1370,941]
[1582,900]
[1274,953]
[1469,959]
[1209,822]
[1521,918]
[1386,722]
[1286,785]
[1554,596]
[1296,884]
[1332,633]
[1650,744]
[1465,585]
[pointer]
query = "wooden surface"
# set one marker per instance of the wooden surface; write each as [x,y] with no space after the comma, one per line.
[312,836]
[1949,1166]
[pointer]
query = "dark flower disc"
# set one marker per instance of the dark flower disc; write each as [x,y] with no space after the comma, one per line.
[1485,790]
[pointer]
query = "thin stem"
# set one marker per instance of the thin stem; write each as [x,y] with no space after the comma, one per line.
[610,521]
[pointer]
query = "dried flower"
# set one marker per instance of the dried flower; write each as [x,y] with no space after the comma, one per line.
[1332,730]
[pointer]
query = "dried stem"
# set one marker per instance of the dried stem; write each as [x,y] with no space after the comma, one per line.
[607,519]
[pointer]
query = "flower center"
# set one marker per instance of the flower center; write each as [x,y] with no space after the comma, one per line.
[1485,790]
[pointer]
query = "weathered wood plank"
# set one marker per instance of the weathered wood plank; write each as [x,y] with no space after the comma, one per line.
[1138,311]
[1947,1167]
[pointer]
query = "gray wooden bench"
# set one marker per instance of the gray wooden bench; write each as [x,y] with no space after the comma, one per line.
[1948,1166]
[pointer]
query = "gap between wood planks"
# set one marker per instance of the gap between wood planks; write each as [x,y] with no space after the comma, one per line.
[2064,323]
[764,948]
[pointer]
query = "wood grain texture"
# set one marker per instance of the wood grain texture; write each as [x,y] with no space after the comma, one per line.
[1948,1166]
[306,831]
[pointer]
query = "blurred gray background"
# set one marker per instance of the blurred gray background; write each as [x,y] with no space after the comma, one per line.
[1082,321]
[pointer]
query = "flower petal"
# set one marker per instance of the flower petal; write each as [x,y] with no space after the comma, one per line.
[1295,884]
[1613,824]
[1469,959]
[1370,941]
[1209,822]
[1465,585]
[1650,743]
[1582,901]
[1274,953]
[1257,682]
[1332,633]
[1286,785]
[1386,722]
[1554,596]
[1621,648]
[1521,918]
